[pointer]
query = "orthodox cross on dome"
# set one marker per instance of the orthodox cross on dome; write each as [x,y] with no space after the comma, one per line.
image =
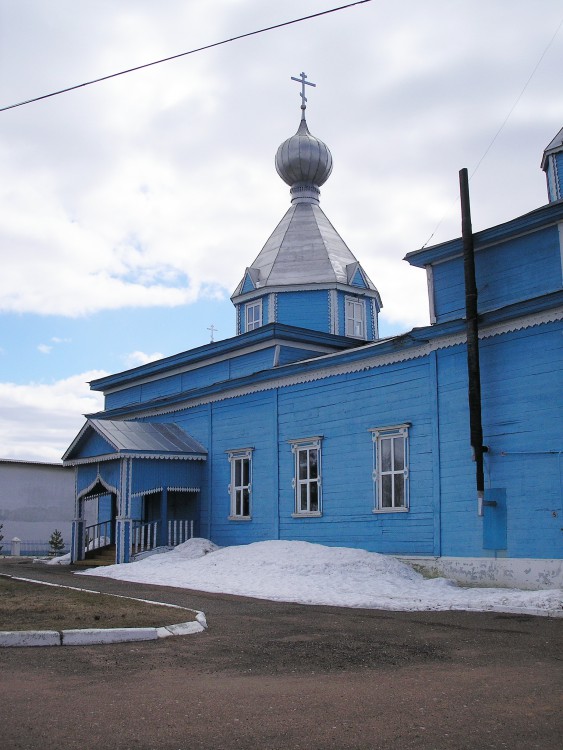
[213,330]
[303,83]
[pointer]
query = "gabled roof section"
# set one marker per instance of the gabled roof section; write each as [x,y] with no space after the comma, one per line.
[303,249]
[106,438]
[358,277]
[555,145]
[250,280]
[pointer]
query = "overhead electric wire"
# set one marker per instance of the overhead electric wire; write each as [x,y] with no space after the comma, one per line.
[501,128]
[184,54]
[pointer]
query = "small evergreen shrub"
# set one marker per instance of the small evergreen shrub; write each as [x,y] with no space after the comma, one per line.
[56,542]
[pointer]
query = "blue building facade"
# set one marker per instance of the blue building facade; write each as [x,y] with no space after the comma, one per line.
[307,426]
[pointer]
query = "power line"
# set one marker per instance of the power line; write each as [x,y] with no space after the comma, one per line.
[184,54]
[496,135]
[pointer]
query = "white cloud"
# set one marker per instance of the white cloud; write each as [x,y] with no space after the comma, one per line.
[44,348]
[156,188]
[133,359]
[39,421]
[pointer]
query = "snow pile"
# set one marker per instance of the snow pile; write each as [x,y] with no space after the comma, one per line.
[314,574]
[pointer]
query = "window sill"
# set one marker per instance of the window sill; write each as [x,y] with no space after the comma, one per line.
[316,514]
[239,518]
[383,511]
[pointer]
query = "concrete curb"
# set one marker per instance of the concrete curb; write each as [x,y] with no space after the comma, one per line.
[92,636]
[96,636]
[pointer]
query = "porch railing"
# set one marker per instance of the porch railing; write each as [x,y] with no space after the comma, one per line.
[98,535]
[145,537]
[179,532]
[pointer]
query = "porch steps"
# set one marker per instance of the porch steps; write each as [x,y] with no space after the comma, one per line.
[98,557]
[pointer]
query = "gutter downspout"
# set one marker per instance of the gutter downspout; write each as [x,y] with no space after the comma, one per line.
[471,316]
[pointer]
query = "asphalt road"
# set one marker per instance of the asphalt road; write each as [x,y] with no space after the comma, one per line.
[279,676]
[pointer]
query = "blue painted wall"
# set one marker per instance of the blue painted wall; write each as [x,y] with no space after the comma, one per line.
[308,309]
[521,269]
[522,419]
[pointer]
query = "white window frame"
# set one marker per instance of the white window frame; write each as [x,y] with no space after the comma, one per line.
[253,320]
[237,489]
[399,475]
[355,317]
[311,486]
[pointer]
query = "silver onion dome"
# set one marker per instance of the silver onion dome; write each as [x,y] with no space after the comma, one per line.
[304,163]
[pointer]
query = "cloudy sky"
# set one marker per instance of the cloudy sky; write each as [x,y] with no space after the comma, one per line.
[130,208]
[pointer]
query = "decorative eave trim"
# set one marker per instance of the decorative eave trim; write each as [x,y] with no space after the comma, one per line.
[326,370]
[120,456]
[110,489]
[154,490]
[321,286]
[278,340]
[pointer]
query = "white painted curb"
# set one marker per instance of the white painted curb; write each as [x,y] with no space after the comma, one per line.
[94,636]
[30,638]
[111,635]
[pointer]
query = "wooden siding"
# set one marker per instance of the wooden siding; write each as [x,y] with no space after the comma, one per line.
[343,409]
[514,271]
[309,309]
[95,445]
[289,354]
[236,367]
[248,422]
[523,426]
[522,418]
[109,472]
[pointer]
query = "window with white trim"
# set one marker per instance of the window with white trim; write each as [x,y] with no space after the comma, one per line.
[240,488]
[253,315]
[391,468]
[355,317]
[307,479]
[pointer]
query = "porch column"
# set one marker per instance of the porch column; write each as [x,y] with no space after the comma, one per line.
[124,522]
[163,535]
[123,531]
[77,540]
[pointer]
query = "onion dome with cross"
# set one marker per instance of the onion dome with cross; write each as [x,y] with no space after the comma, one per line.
[303,161]
[305,275]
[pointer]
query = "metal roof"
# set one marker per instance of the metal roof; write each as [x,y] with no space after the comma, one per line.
[303,249]
[147,438]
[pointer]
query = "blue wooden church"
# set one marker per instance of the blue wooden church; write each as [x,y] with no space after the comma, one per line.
[308,426]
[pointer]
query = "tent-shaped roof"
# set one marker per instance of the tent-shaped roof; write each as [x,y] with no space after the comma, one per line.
[303,249]
[105,438]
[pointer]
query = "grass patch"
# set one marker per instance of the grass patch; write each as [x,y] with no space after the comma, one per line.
[32,606]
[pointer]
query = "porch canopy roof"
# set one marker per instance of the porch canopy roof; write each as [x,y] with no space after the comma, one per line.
[105,439]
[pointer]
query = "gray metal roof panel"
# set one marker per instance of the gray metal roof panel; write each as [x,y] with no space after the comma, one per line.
[146,437]
[304,248]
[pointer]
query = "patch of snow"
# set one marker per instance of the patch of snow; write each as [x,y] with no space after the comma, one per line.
[61,560]
[315,574]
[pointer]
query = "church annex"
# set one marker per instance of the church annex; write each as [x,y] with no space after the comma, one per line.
[306,425]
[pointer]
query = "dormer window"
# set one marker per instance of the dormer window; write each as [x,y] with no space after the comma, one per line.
[355,318]
[253,315]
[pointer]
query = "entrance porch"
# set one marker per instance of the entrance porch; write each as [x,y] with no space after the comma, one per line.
[138,487]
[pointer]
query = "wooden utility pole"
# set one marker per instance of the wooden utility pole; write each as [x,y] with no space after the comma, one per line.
[471,316]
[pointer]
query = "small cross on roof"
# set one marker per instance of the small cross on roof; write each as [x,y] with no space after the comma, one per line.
[302,80]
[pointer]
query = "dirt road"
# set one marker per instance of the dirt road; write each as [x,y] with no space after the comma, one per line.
[271,676]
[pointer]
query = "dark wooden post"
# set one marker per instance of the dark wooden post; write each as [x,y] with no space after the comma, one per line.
[471,316]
